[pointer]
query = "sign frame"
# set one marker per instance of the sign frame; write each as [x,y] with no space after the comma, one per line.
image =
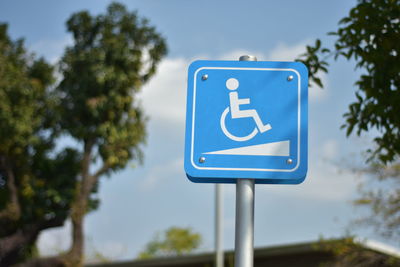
[203,174]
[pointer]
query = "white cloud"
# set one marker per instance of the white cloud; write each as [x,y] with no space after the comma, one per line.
[58,240]
[159,173]
[164,97]
[236,54]
[324,182]
[285,52]
[330,149]
[281,52]
[55,241]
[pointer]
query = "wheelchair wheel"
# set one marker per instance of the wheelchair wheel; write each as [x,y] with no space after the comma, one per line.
[231,136]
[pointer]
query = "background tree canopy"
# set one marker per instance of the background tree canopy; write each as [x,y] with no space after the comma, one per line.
[112,56]
[174,241]
[34,193]
[369,37]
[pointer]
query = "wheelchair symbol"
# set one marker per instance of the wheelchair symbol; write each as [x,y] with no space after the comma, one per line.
[234,108]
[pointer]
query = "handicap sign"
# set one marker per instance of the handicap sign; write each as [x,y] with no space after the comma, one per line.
[246,119]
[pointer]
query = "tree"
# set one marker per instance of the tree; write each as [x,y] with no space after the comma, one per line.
[36,182]
[349,252]
[113,55]
[381,195]
[175,241]
[369,37]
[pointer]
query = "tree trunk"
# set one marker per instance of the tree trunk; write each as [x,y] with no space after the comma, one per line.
[12,246]
[75,254]
[79,208]
[12,212]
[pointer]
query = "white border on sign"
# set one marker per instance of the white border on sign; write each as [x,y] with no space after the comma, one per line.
[246,169]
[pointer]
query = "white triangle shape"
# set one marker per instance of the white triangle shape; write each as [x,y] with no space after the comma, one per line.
[268,149]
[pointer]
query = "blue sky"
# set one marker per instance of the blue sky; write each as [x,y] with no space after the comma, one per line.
[138,202]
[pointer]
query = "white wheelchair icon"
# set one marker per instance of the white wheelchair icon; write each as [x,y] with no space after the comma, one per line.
[234,109]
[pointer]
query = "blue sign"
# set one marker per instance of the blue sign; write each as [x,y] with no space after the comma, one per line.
[246,119]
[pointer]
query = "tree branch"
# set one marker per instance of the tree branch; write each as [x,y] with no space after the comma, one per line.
[11,246]
[101,170]
[95,177]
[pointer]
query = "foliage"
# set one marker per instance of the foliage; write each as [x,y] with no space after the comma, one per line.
[350,253]
[113,55]
[94,256]
[383,199]
[102,71]
[370,37]
[36,182]
[174,241]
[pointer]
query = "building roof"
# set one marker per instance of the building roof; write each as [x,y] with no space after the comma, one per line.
[301,254]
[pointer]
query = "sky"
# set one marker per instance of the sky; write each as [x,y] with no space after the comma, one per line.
[140,201]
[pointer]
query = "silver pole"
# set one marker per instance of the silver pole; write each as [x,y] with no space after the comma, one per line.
[244,228]
[219,234]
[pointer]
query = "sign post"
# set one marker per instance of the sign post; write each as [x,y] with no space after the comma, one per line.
[246,123]
[244,227]
[219,248]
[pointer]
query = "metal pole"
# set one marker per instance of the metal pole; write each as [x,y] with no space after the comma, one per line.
[244,228]
[219,247]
